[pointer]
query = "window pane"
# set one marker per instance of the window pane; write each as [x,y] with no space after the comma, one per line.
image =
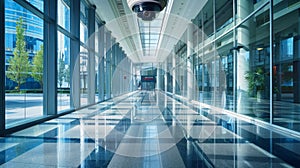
[63,72]
[83,22]
[38,4]
[245,7]
[23,64]
[286,65]
[83,75]
[63,12]
[253,55]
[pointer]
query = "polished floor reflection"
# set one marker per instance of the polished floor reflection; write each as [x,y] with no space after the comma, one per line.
[148,129]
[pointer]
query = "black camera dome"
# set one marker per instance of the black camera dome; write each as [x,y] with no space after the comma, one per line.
[147,9]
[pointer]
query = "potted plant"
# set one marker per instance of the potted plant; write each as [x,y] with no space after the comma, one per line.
[256,87]
[256,82]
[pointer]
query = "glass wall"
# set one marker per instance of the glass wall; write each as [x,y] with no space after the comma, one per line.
[286,64]
[23,64]
[37,3]
[83,75]
[233,55]
[63,72]
[63,11]
[63,56]
[253,66]
[32,91]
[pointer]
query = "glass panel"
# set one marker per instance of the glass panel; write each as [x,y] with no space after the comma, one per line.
[224,72]
[83,22]
[245,7]
[224,15]
[37,3]
[63,72]
[253,55]
[286,65]
[97,55]
[23,64]
[83,75]
[208,21]
[63,12]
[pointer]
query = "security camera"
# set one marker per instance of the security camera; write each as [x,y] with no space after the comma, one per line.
[147,9]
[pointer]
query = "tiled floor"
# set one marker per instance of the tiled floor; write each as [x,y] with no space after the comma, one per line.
[147,129]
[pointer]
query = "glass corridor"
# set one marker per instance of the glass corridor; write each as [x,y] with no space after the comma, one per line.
[148,129]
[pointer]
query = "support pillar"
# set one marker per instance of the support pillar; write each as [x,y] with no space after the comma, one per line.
[158,76]
[190,76]
[2,70]
[166,76]
[108,64]
[101,71]
[74,54]
[174,72]
[91,56]
[50,59]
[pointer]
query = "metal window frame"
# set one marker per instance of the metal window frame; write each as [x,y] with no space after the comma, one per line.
[2,70]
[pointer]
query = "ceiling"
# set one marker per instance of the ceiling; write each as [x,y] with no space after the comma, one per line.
[145,41]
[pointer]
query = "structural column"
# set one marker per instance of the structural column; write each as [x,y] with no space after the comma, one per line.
[91,56]
[113,66]
[131,76]
[190,76]
[117,71]
[121,68]
[2,70]
[166,76]
[174,72]
[74,54]
[158,76]
[101,71]
[50,59]
[241,64]
[108,64]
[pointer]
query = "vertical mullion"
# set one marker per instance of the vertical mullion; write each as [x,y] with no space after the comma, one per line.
[50,59]
[91,55]
[2,70]
[74,54]
[271,61]
[101,61]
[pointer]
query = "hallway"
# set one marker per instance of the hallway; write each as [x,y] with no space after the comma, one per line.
[147,129]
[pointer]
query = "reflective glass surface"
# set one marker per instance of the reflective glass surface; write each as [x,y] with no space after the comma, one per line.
[63,13]
[63,72]
[23,65]
[147,129]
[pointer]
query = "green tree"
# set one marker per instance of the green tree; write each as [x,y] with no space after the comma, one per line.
[37,69]
[61,71]
[19,65]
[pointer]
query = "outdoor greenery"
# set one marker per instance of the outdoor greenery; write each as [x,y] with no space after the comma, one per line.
[37,69]
[19,68]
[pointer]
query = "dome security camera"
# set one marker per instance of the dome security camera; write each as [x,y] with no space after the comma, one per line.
[147,9]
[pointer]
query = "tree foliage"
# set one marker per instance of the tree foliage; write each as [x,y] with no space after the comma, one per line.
[19,66]
[37,69]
